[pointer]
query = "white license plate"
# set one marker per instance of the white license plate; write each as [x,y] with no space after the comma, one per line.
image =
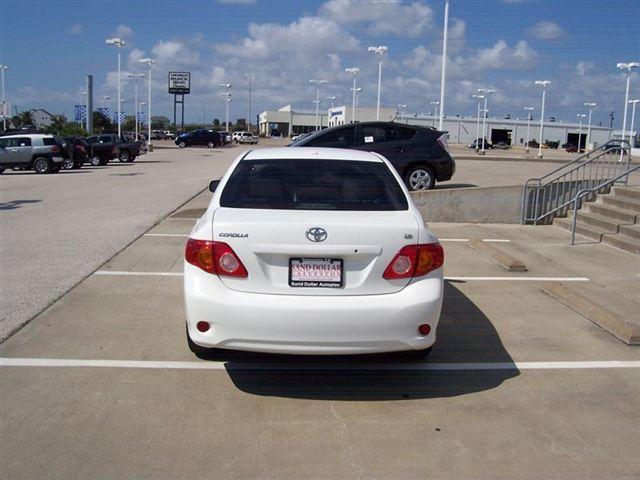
[315,272]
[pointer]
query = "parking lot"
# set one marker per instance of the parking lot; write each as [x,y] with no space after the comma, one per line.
[101,384]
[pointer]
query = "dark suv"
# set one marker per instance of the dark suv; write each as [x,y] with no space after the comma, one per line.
[419,154]
[203,136]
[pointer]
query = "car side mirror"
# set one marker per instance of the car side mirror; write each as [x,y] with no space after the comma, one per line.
[213,185]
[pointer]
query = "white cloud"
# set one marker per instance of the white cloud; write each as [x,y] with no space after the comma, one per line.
[76,29]
[174,52]
[501,56]
[382,17]
[123,31]
[582,68]
[546,31]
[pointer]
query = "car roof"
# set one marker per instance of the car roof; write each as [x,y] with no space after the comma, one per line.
[311,153]
[22,135]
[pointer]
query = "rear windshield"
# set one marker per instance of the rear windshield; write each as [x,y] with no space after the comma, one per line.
[49,141]
[313,185]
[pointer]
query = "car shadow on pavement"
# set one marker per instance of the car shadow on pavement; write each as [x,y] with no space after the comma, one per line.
[15,204]
[465,335]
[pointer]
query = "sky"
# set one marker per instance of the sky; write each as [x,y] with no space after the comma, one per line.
[49,47]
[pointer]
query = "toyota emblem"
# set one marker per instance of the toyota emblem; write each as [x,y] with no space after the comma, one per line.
[317,234]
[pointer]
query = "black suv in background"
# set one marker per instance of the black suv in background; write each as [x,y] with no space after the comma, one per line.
[419,154]
[203,136]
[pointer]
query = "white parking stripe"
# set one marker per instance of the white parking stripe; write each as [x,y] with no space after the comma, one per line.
[166,235]
[141,274]
[493,240]
[485,366]
[460,279]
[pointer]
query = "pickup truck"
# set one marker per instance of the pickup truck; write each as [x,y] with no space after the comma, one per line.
[109,146]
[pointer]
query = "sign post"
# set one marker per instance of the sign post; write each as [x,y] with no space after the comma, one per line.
[179,86]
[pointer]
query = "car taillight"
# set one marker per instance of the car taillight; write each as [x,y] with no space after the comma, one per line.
[214,257]
[415,261]
[442,140]
[55,149]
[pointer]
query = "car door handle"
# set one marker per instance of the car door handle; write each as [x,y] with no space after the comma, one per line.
[398,149]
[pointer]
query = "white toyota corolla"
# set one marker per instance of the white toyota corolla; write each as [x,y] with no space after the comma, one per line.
[312,251]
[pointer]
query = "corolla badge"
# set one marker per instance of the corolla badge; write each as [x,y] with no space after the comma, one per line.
[317,234]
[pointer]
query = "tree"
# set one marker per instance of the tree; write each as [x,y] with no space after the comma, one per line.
[61,127]
[102,124]
[129,124]
[22,119]
[216,122]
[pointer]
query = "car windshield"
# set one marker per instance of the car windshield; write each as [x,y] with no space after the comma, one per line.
[313,185]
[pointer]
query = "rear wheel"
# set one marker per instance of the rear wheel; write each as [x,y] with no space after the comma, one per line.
[95,161]
[42,165]
[211,145]
[124,156]
[182,144]
[420,178]
[67,164]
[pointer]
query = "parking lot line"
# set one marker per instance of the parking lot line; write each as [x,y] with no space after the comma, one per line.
[461,279]
[217,365]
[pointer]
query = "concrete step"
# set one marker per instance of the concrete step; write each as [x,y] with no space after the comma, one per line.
[627,192]
[582,229]
[630,230]
[599,222]
[612,212]
[623,242]
[621,202]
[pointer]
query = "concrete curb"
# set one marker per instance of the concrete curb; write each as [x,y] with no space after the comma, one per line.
[506,261]
[626,331]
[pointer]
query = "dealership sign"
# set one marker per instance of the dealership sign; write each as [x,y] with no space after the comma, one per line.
[179,83]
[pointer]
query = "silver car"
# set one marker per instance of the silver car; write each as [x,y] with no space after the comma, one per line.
[30,152]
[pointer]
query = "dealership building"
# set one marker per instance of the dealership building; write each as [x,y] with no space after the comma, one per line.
[287,122]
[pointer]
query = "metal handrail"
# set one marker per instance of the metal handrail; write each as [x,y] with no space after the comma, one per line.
[587,191]
[577,172]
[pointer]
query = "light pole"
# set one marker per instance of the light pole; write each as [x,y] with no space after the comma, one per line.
[332,99]
[358,92]
[529,110]
[150,62]
[590,105]
[485,92]
[120,43]
[435,104]
[135,77]
[480,98]
[633,118]
[5,110]
[354,71]
[379,50]
[580,116]
[444,63]
[317,102]
[140,106]
[628,67]
[227,94]
[543,84]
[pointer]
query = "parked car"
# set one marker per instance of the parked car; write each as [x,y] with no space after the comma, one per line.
[158,135]
[477,143]
[102,148]
[312,254]
[419,154]
[75,152]
[615,147]
[38,152]
[501,146]
[533,144]
[247,137]
[225,137]
[169,134]
[551,144]
[300,136]
[570,147]
[203,136]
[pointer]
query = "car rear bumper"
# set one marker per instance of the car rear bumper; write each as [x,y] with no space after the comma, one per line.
[301,324]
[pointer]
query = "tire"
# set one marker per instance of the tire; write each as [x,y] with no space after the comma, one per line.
[420,178]
[182,144]
[211,145]
[42,165]
[133,157]
[68,164]
[95,161]
[124,156]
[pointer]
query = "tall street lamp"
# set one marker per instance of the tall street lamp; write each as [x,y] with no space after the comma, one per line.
[444,64]
[529,110]
[590,105]
[135,77]
[435,104]
[379,50]
[354,71]
[358,92]
[401,108]
[332,99]
[138,121]
[543,84]
[628,67]
[226,99]
[485,92]
[633,118]
[150,62]
[317,83]
[580,116]
[5,109]
[480,98]
[120,43]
